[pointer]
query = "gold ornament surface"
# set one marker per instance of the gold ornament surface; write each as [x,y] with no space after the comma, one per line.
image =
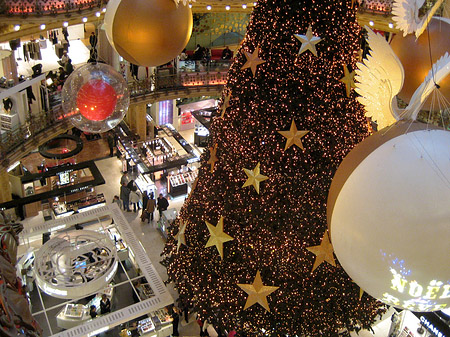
[181,239]
[308,41]
[254,177]
[348,80]
[257,292]
[323,252]
[253,61]
[293,136]
[218,237]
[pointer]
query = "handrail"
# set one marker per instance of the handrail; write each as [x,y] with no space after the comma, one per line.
[38,8]
[38,123]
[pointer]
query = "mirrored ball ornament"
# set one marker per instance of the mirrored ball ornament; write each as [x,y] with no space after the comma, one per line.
[95,97]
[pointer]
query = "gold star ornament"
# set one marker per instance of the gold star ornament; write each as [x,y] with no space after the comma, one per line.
[293,136]
[253,61]
[257,292]
[218,237]
[323,252]
[181,239]
[308,42]
[348,80]
[225,104]
[212,157]
[254,177]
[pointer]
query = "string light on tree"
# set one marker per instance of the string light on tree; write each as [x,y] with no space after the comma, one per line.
[272,229]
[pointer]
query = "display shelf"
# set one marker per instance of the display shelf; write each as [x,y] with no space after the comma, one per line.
[146,326]
[64,209]
[74,310]
[183,178]
[9,122]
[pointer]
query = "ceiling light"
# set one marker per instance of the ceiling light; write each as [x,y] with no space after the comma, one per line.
[208,7]
[104,9]
[371,23]
[84,19]
[65,24]
[97,14]
[190,5]
[17,28]
[43,26]
[254,4]
[227,7]
[244,6]
[391,25]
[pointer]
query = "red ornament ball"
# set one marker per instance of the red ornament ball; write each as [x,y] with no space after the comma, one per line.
[96,100]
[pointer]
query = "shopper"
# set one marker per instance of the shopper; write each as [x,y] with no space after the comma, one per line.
[124,180]
[125,196]
[175,320]
[135,198]
[162,205]
[149,208]
[105,305]
[183,55]
[93,40]
[64,59]
[93,311]
[144,201]
[116,200]
[111,143]
[227,54]
[68,67]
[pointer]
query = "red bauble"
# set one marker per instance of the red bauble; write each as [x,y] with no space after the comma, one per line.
[96,100]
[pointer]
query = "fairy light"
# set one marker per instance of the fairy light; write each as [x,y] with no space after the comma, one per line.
[272,230]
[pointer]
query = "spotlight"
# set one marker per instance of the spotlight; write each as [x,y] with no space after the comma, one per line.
[244,6]
[43,26]
[371,23]
[65,24]
[97,14]
[104,9]
[227,8]
[17,28]
[190,5]
[391,25]
[208,7]
[84,19]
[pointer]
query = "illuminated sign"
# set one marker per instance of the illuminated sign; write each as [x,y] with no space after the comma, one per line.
[430,327]
[423,297]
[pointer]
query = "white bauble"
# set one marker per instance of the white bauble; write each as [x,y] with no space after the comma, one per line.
[389,216]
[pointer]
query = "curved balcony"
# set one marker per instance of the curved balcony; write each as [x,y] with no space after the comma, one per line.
[43,126]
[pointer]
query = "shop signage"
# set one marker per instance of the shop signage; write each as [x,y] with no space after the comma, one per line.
[430,327]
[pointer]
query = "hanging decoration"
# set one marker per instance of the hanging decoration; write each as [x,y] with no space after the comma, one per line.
[95,97]
[218,236]
[257,292]
[308,41]
[254,177]
[148,32]
[293,136]
[253,61]
[388,216]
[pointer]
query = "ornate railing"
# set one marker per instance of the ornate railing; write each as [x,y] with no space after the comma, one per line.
[47,7]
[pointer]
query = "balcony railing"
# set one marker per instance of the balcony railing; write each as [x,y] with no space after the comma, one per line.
[46,7]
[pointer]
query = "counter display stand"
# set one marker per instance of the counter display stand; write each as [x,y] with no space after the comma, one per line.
[144,183]
[178,183]
[61,209]
[167,218]
[72,315]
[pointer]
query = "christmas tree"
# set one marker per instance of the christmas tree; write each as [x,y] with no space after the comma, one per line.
[250,250]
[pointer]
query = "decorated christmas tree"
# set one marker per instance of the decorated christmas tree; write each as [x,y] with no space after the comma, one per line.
[250,250]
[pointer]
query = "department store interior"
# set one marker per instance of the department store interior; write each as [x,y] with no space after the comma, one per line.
[64,185]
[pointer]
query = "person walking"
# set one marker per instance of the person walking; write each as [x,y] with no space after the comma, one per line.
[162,205]
[149,208]
[125,196]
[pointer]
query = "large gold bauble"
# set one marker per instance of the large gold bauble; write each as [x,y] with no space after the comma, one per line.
[148,32]
[415,57]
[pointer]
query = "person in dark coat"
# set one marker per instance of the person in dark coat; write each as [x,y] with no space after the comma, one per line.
[149,208]
[125,196]
[111,144]
[93,311]
[105,305]
[175,320]
[162,204]
[227,54]
[93,40]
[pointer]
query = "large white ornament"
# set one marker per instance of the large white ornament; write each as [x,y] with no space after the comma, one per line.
[389,216]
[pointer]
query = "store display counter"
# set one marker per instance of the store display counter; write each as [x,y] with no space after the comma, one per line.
[72,315]
[178,183]
[168,216]
[158,324]
[61,209]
